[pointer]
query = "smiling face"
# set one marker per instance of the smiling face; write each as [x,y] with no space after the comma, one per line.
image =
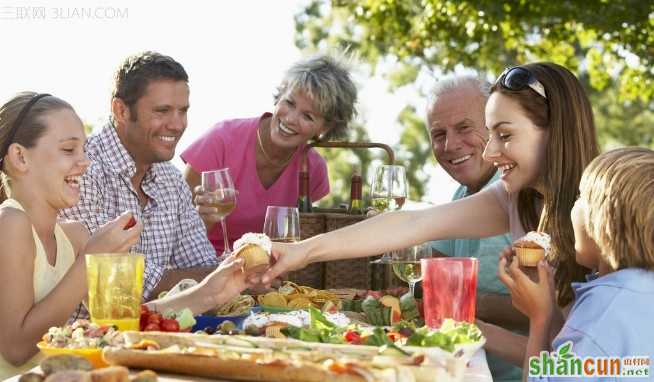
[458,136]
[516,146]
[295,120]
[152,134]
[587,253]
[57,161]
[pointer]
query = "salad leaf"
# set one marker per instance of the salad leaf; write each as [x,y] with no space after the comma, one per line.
[377,338]
[318,320]
[308,335]
[450,334]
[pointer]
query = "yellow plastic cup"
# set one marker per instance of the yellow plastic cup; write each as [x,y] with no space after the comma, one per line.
[115,283]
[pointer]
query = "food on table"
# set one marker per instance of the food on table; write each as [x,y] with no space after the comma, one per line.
[256,324]
[255,249]
[170,321]
[293,296]
[110,374]
[69,376]
[81,334]
[107,374]
[63,362]
[145,376]
[362,356]
[385,309]
[31,377]
[532,248]
[240,305]
[393,303]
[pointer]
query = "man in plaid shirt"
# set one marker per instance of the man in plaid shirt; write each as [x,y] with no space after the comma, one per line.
[130,170]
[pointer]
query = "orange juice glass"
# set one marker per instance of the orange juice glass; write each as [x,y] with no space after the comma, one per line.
[115,283]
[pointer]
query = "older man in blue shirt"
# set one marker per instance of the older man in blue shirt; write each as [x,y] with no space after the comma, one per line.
[456,125]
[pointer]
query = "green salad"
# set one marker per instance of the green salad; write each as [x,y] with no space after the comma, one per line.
[404,333]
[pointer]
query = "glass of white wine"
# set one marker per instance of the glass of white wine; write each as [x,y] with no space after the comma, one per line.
[388,192]
[282,224]
[219,185]
[389,188]
[406,263]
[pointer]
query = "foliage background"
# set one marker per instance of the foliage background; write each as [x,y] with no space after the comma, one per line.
[608,44]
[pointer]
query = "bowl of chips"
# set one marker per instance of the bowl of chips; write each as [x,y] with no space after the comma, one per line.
[291,296]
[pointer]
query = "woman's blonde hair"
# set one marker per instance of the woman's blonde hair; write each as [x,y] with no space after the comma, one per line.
[327,80]
[618,189]
[567,116]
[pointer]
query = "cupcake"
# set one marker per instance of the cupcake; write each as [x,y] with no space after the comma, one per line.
[255,249]
[532,248]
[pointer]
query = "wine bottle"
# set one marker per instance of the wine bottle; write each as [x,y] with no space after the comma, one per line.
[303,199]
[356,204]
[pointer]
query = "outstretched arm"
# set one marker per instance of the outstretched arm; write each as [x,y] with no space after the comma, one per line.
[476,216]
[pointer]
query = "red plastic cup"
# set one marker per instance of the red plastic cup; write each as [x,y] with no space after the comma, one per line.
[449,289]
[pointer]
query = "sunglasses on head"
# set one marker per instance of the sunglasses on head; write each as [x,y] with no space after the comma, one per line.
[519,78]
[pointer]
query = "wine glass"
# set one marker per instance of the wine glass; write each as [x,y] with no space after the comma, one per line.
[388,192]
[389,188]
[406,263]
[282,224]
[219,184]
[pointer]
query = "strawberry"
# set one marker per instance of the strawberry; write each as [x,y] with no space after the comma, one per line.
[131,223]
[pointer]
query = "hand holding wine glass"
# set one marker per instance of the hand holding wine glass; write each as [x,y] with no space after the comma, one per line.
[221,195]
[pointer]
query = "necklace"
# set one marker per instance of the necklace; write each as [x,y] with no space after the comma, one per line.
[268,158]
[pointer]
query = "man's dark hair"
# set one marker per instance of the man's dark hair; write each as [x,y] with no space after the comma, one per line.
[136,72]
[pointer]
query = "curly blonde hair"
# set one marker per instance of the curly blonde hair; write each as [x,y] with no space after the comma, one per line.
[618,189]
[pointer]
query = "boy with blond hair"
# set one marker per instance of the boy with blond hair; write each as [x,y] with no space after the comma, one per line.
[613,222]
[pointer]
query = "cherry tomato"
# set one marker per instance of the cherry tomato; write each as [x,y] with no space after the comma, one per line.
[169,325]
[352,337]
[154,318]
[144,309]
[393,336]
[152,328]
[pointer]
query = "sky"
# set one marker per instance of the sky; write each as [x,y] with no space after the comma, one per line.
[235,52]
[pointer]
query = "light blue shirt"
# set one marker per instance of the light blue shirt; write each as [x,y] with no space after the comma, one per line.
[487,250]
[611,317]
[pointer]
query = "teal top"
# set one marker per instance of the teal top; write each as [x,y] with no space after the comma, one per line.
[487,250]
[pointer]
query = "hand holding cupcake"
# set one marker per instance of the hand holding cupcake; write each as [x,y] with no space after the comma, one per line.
[532,248]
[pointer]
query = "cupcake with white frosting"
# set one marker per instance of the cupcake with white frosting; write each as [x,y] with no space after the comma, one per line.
[532,248]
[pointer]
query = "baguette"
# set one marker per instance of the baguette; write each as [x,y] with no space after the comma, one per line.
[241,369]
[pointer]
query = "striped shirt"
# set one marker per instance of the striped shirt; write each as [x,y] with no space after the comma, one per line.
[173,237]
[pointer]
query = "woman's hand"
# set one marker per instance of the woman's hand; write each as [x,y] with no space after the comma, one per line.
[208,213]
[117,235]
[536,299]
[287,257]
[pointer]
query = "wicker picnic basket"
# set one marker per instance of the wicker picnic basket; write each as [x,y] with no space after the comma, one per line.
[356,273]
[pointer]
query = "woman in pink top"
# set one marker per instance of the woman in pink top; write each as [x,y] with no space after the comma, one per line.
[315,101]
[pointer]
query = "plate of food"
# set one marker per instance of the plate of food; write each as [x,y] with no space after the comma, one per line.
[81,338]
[93,355]
[235,311]
[425,355]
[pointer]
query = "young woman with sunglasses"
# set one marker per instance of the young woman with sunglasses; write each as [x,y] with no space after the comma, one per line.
[542,136]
